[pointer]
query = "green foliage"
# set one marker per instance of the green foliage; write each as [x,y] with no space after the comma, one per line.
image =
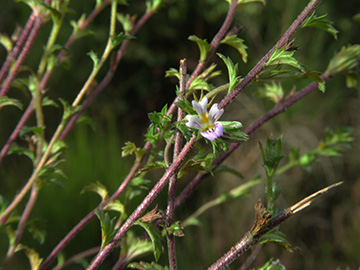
[344,60]
[130,149]
[147,266]
[238,44]
[160,124]
[153,5]
[118,39]
[232,70]
[98,188]
[108,229]
[272,265]
[79,32]
[155,237]
[6,42]
[283,57]
[33,256]
[273,91]
[320,22]
[203,45]
[277,237]
[271,155]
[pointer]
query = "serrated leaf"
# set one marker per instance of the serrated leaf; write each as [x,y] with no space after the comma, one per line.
[6,101]
[344,60]
[69,110]
[203,45]
[38,131]
[283,57]
[108,230]
[119,38]
[232,71]
[97,188]
[137,247]
[276,237]
[316,77]
[199,84]
[51,174]
[272,265]
[238,44]
[273,92]
[155,237]
[271,155]
[116,206]
[320,22]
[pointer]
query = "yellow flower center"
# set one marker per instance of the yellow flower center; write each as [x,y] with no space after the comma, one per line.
[206,123]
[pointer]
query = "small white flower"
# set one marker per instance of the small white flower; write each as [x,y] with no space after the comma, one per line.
[208,123]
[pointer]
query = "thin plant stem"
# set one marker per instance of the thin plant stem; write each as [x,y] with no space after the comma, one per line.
[143,205]
[34,32]
[214,44]
[281,107]
[251,258]
[173,179]
[22,223]
[262,63]
[62,125]
[77,257]
[263,224]
[46,77]
[18,45]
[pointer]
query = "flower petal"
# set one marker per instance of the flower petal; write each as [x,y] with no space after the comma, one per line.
[193,122]
[215,113]
[216,133]
[200,107]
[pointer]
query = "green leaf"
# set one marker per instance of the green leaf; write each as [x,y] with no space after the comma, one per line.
[335,142]
[203,45]
[51,174]
[16,149]
[232,70]
[283,57]
[273,91]
[247,1]
[352,80]
[155,237]
[77,32]
[130,149]
[147,266]
[172,72]
[37,230]
[118,39]
[38,131]
[238,44]
[94,58]
[199,84]
[135,247]
[344,60]
[97,188]
[276,237]
[108,230]
[316,77]
[272,265]
[6,101]
[320,22]
[69,110]
[116,206]
[153,5]
[6,42]
[125,21]
[271,155]
[55,13]
[46,101]
[33,256]
[175,229]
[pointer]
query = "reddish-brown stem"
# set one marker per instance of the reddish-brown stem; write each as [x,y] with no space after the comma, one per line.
[173,179]
[107,78]
[17,129]
[143,205]
[214,44]
[22,223]
[261,64]
[77,257]
[18,45]
[34,32]
[281,107]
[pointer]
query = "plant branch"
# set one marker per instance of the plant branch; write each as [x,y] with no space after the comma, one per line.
[143,205]
[264,223]
[261,64]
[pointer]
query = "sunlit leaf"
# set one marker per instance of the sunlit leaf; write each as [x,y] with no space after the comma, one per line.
[97,188]
[234,80]
[203,45]
[6,101]
[283,57]
[344,60]
[273,92]
[320,22]
[155,237]
[34,257]
[238,44]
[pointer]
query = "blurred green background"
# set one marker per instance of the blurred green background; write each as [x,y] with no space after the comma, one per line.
[326,236]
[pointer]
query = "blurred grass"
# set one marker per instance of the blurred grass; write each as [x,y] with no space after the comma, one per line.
[327,234]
